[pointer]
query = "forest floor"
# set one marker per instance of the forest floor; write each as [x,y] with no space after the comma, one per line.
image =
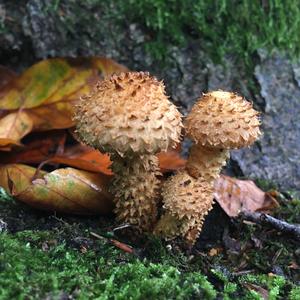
[48,256]
[51,256]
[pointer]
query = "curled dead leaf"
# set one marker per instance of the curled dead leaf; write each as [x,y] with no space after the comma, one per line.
[235,196]
[258,289]
[63,190]
[170,161]
[12,128]
[84,158]
[78,156]
[46,94]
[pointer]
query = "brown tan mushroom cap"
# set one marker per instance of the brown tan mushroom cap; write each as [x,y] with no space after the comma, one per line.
[127,113]
[223,120]
[185,196]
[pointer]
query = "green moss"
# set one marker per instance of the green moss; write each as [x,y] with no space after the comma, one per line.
[295,293]
[29,272]
[276,287]
[234,27]
[37,264]
[4,197]
[34,265]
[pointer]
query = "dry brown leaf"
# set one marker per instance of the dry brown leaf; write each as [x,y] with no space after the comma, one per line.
[235,196]
[78,156]
[63,190]
[47,92]
[84,158]
[170,161]
[12,127]
[38,148]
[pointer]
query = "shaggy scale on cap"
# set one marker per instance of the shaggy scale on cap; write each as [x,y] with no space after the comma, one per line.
[128,113]
[223,120]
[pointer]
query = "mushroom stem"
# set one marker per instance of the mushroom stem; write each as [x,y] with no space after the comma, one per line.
[203,165]
[168,226]
[135,187]
[206,162]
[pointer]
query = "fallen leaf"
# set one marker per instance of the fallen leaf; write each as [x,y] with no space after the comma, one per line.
[235,196]
[84,158]
[63,190]
[215,251]
[48,91]
[78,156]
[13,127]
[170,161]
[122,246]
[293,265]
[39,148]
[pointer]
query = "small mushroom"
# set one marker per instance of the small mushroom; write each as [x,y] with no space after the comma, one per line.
[218,122]
[130,117]
[186,202]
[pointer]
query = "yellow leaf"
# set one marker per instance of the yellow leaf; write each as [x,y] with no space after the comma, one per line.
[63,190]
[13,127]
[47,92]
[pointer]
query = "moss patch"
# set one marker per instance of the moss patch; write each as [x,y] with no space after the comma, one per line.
[234,27]
[59,258]
[34,265]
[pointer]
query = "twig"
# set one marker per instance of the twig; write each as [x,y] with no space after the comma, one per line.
[239,273]
[120,245]
[122,227]
[97,236]
[264,219]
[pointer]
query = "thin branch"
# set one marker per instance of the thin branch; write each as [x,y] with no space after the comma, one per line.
[264,219]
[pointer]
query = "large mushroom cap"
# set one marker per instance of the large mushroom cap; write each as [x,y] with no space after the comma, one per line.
[127,113]
[223,120]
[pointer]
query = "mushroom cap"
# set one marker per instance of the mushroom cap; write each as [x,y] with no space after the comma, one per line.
[187,197]
[223,120]
[128,113]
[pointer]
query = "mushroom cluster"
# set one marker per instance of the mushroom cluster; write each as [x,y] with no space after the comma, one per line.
[218,122]
[130,117]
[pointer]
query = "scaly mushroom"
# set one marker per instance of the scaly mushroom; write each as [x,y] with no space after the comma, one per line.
[219,121]
[186,201]
[130,117]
